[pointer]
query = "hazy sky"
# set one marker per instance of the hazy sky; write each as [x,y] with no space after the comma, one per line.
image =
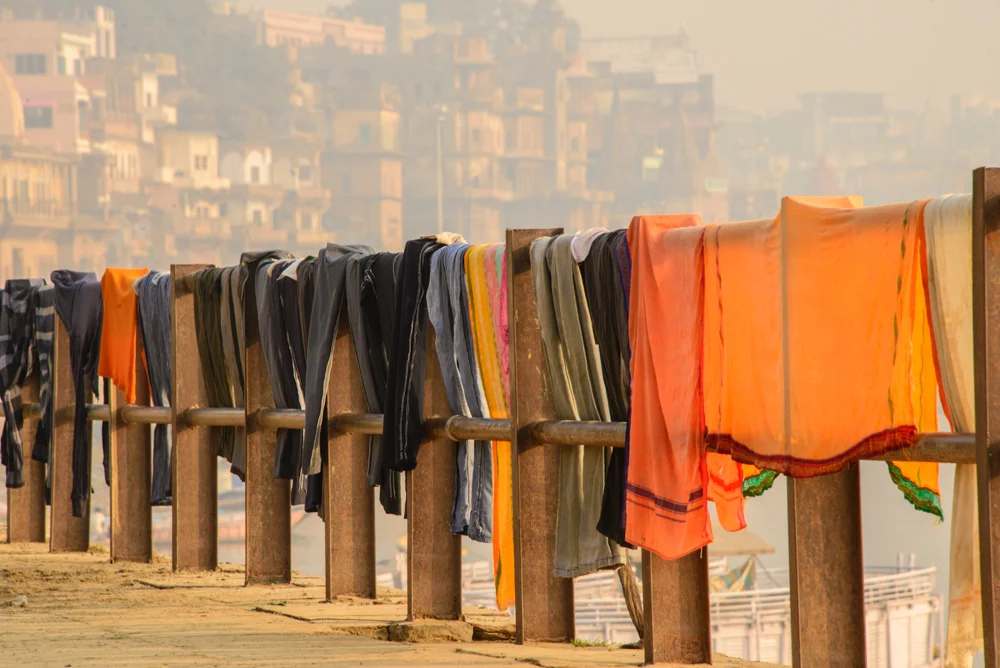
[765,52]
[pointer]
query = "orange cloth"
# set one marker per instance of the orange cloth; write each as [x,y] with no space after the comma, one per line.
[119,331]
[670,478]
[815,335]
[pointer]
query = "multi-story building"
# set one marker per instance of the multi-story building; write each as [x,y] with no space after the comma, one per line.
[302,30]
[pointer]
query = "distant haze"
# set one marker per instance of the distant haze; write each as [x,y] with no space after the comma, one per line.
[766,52]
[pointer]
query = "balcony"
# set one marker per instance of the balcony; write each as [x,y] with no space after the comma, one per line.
[47,214]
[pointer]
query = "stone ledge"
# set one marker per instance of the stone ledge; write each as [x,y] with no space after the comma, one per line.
[431,630]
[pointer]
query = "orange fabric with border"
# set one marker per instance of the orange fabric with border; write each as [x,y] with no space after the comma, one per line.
[119,330]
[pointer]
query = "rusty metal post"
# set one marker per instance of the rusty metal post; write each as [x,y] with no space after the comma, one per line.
[349,504]
[26,505]
[66,533]
[826,569]
[268,500]
[195,480]
[544,601]
[986,346]
[676,609]
[433,552]
[131,474]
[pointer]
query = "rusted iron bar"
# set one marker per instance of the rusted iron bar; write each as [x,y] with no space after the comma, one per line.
[986,354]
[565,432]
[268,510]
[434,553]
[357,423]
[132,414]
[214,417]
[131,475]
[26,505]
[66,533]
[348,502]
[99,413]
[281,418]
[195,481]
[545,603]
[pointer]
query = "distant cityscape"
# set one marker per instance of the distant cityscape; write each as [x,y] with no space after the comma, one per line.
[189,131]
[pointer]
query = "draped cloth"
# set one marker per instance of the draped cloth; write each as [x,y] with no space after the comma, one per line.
[948,230]
[80,308]
[153,301]
[120,331]
[817,347]
[489,366]
[670,478]
[578,393]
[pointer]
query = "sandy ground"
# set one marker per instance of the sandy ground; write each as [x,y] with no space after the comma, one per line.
[83,611]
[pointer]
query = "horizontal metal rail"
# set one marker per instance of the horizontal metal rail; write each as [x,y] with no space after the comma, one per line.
[939,447]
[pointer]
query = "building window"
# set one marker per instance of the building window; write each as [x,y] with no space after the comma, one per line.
[305,173]
[149,100]
[258,217]
[17,257]
[201,163]
[38,117]
[345,184]
[575,145]
[81,107]
[29,63]
[77,67]
[61,65]
[365,134]
[201,211]
[223,210]
[255,175]
[107,44]
[477,137]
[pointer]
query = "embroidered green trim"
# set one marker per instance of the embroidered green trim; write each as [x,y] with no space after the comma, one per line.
[922,499]
[758,484]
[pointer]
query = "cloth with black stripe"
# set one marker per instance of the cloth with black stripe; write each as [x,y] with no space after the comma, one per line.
[153,301]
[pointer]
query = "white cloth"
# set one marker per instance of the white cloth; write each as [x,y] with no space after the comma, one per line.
[948,229]
[583,240]
[445,238]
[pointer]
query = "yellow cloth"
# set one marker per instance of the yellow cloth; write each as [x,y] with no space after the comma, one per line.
[488,361]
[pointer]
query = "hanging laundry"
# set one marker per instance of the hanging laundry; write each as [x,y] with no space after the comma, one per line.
[231,282]
[153,301]
[119,333]
[948,232]
[306,283]
[448,310]
[811,318]
[17,351]
[490,379]
[606,301]
[211,348]
[404,408]
[78,303]
[578,391]
[583,242]
[371,292]
[45,324]
[670,477]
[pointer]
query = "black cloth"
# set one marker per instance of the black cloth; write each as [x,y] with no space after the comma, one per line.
[606,298]
[80,307]
[307,287]
[404,408]
[153,304]
[371,289]
[45,327]
[208,326]
[17,352]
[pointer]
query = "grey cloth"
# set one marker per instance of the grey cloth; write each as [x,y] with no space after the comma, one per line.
[218,387]
[230,322]
[448,309]
[578,392]
[328,300]
[153,301]
[45,327]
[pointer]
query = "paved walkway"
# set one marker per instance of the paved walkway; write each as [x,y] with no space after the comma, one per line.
[83,611]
